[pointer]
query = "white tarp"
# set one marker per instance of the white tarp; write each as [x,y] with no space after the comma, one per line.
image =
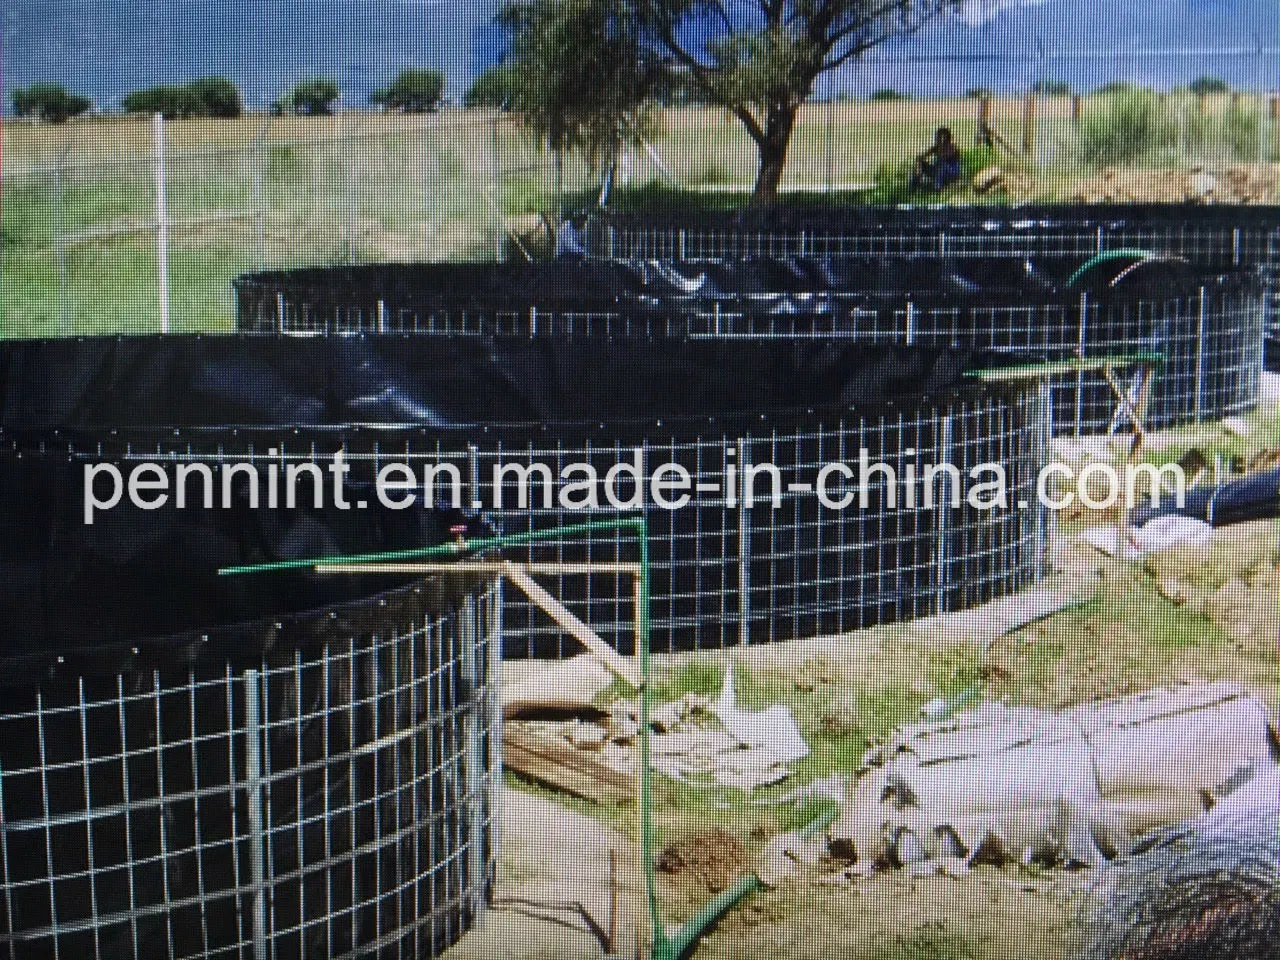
[1068,787]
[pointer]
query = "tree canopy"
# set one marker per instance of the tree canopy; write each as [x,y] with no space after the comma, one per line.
[206,97]
[495,87]
[314,98]
[414,91]
[758,59]
[576,74]
[49,102]
[1207,84]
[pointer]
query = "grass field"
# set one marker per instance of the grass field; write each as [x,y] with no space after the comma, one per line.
[78,201]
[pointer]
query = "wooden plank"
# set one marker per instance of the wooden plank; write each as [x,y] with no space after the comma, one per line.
[624,667]
[1034,371]
[563,766]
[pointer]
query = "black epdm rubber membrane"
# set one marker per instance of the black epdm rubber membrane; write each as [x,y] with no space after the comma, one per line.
[139,583]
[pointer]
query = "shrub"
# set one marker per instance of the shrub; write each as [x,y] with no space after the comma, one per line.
[49,102]
[1128,125]
[1204,85]
[888,93]
[1239,133]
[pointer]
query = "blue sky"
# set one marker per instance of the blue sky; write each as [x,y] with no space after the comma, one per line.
[108,47]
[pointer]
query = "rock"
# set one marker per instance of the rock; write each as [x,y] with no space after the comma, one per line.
[1236,426]
[623,724]
[988,178]
[585,736]
[787,852]
[1174,590]
[667,717]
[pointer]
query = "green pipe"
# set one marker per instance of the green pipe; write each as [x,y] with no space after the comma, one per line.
[441,550]
[1103,257]
[675,946]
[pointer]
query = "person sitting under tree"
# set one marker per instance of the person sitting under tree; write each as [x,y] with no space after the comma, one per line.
[939,165]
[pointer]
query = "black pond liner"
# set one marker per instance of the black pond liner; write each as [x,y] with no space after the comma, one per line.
[1213,238]
[723,574]
[1208,325]
[195,766]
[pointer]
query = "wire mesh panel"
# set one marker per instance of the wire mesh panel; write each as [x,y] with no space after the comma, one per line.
[333,800]
[1211,237]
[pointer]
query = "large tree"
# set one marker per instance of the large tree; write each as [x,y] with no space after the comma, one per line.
[758,59]
[576,73]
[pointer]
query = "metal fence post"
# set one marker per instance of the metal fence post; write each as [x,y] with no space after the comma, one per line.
[259,179]
[743,449]
[495,173]
[942,518]
[352,203]
[1200,325]
[1080,348]
[493,677]
[162,223]
[252,685]
[1041,412]
[60,240]
[468,622]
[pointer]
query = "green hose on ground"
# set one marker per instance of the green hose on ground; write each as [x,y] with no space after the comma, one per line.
[1104,257]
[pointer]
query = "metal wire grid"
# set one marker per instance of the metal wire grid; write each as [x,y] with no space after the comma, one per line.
[725,573]
[332,802]
[1213,342]
[1216,246]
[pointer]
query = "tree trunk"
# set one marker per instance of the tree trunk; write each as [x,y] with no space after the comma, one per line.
[772,148]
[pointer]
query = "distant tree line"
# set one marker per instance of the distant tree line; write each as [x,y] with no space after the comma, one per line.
[412,91]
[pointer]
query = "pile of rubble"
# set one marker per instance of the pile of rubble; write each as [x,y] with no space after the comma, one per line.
[557,715]
[1241,183]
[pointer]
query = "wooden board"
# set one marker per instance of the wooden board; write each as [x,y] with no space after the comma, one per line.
[623,667]
[562,766]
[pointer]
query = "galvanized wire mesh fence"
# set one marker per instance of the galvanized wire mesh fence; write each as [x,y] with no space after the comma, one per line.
[731,570]
[83,212]
[334,800]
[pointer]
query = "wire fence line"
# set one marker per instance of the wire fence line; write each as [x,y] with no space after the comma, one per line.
[82,201]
